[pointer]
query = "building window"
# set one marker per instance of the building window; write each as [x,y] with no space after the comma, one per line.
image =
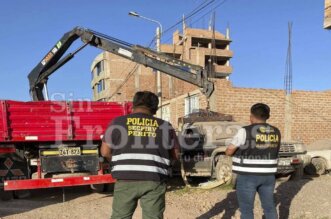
[99,67]
[191,104]
[218,60]
[205,43]
[101,86]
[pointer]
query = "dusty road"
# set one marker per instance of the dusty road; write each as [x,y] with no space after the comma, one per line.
[307,198]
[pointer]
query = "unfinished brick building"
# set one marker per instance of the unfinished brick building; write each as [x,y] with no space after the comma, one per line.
[327,14]
[302,116]
[193,46]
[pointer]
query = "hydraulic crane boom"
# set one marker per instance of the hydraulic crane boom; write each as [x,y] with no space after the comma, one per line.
[193,74]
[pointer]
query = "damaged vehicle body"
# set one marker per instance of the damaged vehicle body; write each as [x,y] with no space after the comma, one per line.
[205,136]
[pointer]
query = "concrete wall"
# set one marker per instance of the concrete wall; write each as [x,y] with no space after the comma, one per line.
[310,111]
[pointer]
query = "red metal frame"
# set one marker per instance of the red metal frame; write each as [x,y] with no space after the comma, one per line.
[38,121]
[4,114]
[38,169]
[57,182]
[5,150]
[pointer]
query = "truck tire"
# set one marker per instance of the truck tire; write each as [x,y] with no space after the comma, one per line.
[6,195]
[298,173]
[310,169]
[98,188]
[21,194]
[224,169]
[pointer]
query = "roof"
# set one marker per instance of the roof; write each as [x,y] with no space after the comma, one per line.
[201,33]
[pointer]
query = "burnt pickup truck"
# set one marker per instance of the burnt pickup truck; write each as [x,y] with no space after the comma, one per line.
[204,138]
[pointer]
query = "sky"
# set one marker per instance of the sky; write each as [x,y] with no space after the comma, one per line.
[29,29]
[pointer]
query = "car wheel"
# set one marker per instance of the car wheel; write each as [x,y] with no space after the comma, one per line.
[310,169]
[224,169]
[319,165]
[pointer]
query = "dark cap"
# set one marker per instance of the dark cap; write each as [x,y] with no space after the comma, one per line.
[146,99]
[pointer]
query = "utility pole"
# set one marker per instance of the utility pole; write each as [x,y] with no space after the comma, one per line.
[288,65]
[158,73]
[288,88]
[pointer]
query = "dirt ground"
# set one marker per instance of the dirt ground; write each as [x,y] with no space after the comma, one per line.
[307,198]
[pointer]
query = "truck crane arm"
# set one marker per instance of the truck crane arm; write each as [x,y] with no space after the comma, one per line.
[187,72]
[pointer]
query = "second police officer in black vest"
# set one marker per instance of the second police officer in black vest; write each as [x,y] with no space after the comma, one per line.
[254,152]
[140,147]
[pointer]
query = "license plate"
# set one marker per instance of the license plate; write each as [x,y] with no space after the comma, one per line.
[284,162]
[69,151]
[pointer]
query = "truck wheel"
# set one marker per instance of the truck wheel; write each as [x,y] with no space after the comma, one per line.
[319,165]
[224,169]
[298,173]
[20,194]
[98,188]
[6,196]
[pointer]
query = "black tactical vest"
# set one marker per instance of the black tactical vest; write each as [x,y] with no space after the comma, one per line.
[259,155]
[140,146]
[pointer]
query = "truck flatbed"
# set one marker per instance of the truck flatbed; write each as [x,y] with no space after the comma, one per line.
[52,121]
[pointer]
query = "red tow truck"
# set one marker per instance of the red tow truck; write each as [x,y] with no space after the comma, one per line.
[46,144]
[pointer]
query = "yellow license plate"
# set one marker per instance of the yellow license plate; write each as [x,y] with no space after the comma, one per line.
[70,151]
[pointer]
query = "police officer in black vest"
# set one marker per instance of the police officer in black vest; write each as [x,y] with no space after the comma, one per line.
[255,155]
[140,148]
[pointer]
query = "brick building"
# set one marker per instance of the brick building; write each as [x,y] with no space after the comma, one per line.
[193,46]
[304,115]
[327,14]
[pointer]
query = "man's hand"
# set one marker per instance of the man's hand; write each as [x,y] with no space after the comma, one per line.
[175,154]
[230,150]
[105,151]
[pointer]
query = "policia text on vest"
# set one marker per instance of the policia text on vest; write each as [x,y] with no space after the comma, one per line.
[140,146]
[259,154]
[142,127]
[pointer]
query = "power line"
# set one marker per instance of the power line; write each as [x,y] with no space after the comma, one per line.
[201,17]
[195,11]
[211,10]
[128,75]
